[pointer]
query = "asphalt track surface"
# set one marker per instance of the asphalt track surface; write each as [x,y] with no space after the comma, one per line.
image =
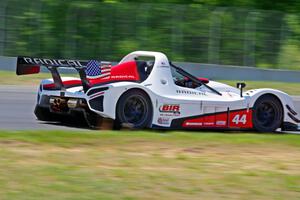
[17,106]
[16,110]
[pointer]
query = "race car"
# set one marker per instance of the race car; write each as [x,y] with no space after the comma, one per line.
[146,90]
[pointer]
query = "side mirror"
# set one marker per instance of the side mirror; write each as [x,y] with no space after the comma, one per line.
[241,86]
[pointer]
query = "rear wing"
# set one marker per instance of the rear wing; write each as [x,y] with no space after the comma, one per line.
[29,65]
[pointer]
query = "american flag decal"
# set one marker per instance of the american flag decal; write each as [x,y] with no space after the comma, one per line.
[97,69]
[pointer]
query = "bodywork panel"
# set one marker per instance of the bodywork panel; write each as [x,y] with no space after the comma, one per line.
[175,106]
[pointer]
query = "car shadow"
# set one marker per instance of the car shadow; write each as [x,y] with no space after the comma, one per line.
[108,125]
[69,125]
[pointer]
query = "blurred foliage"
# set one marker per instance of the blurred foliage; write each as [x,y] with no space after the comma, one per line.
[280,5]
[226,32]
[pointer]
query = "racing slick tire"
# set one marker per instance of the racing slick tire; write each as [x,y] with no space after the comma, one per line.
[43,114]
[267,113]
[134,110]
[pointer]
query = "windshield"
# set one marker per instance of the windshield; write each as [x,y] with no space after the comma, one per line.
[185,79]
[175,74]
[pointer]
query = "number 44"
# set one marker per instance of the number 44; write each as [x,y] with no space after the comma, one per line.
[237,119]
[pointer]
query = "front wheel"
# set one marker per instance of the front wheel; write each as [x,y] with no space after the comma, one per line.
[134,108]
[267,114]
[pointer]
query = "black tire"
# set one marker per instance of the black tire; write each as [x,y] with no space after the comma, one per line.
[134,108]
[267,113]
[43,114]
[92,119]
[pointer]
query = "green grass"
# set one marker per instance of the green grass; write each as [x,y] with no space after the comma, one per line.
[148,165]
[10,78]
[290,88]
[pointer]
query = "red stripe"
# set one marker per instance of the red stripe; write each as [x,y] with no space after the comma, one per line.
[96,95]
[233,119]
[66,83]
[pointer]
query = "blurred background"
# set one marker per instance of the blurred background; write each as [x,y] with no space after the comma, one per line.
[263,34]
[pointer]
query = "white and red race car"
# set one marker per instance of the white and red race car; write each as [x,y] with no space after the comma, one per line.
[145,90]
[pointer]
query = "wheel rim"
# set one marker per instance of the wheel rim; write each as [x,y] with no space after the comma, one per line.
[135,110]
[266,114]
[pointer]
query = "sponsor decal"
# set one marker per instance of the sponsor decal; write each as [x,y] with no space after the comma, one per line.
[190,92]
[208,123]
[54,62]
[220,123]
[163,120]
[170,108]
[193,123]
[123,76]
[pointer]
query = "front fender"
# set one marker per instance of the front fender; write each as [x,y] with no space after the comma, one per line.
[284,98]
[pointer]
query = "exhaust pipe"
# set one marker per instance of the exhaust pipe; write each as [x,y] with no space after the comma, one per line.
[58,104]
[72,103]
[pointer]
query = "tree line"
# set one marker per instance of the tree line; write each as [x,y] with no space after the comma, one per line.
[250,33]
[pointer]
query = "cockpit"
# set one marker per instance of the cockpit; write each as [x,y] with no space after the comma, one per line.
[145,66]
[184,81]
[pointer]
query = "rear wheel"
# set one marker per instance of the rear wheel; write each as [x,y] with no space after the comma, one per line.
[134,109]
[43,114]
[267,114]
